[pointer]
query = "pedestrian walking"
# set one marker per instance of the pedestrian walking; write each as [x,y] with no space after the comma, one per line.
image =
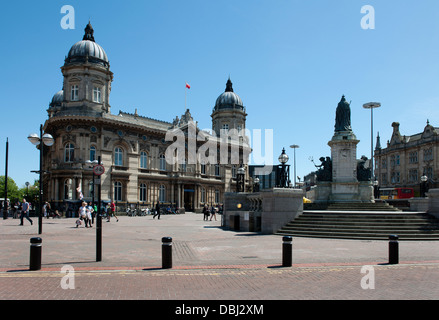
[89,212]
[112,211]
[213,213]
[25,212]
[83,214]
[157,211]
[206,213]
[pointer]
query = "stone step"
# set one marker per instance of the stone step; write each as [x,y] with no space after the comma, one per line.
[361,225]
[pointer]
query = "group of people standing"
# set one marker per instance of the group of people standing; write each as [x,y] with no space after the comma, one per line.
[209,212]
[87,213]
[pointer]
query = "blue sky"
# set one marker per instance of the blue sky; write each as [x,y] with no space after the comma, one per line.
[289,61]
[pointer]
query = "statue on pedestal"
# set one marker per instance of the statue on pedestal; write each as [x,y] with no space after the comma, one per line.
[343,116]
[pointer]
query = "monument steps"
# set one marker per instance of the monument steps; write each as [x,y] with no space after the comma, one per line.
[376,206]
[360,206]
[363,225]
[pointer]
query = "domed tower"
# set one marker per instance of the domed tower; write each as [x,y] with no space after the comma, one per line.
[229,111]
[87,80]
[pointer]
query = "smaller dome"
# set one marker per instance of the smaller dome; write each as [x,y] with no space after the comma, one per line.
[228,99]
[57,99]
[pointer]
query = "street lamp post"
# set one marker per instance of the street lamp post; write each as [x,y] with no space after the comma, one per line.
[284,173]
[294,146]
[41,140]
[371,106]
[92,163]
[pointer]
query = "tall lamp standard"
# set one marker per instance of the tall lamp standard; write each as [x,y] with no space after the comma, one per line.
[92,163]
[371,106]
[294,146]
[46,139]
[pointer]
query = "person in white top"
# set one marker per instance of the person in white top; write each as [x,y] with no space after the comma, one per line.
[83,213]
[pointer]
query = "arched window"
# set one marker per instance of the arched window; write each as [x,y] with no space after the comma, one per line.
[143,160]
[68,191]
[69,152]
[142,195]
[162,162]
[117,191]
[118,156]
[92,153]
[162,193]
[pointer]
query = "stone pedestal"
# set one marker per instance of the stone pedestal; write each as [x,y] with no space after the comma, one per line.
[266,211]
[280,206]
[344,186]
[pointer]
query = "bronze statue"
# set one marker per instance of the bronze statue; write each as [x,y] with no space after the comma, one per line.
[325,169]
[343,116]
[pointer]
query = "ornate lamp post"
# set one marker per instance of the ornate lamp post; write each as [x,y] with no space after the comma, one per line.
[46,139]
[424,180]
[256,185]
[240,180]
[284,174]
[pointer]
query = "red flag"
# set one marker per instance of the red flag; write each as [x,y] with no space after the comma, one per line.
[188,86]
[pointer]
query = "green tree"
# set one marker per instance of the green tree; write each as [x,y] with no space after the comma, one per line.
[13,191]
[31,192]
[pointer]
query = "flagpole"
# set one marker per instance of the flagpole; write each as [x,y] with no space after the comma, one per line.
[185,95]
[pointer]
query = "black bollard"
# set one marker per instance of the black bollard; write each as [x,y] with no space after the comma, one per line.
[287,251]
[393,249]
[35,254]
[166,253]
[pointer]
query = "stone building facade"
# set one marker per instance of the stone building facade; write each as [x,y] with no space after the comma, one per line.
[407,158]
[133,148]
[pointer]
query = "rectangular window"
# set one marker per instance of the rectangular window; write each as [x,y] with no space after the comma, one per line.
[118,191]
[143,190]
[75,93]
[97,94]
[413,157]
[384,163]
[413,175]
[428,154]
